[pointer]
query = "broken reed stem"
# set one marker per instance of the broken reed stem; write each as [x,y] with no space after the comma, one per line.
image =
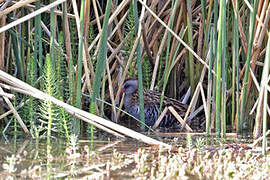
[31,15]
[15,113]
[176,115]
[160,117]
[73,110]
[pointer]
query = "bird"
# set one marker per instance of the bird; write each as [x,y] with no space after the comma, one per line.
[151,104]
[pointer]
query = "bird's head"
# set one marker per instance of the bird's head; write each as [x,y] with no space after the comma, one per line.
[130,86]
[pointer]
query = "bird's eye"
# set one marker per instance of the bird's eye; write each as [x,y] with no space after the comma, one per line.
[126,86]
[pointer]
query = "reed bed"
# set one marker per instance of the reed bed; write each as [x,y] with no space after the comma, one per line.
[69,49]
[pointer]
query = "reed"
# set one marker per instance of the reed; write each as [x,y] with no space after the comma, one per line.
[139,64]
[101,58]
[235,71]
[172,44]
[210,82]
[247,63]
[263,96]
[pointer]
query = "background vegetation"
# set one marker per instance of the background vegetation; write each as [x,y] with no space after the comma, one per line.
[81,52]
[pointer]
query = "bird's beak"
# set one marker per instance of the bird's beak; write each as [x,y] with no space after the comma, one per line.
[121,92]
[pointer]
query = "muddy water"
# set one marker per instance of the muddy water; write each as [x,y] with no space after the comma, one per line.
[113,158]
[85,158]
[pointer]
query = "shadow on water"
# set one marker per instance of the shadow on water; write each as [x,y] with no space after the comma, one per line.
[192,157]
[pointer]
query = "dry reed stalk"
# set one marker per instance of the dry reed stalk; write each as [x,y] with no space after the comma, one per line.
[31,15]
[178,58]
[87,120]
[154,21]
[181,134]
[146,46]
[258,89]
[49,34]
[16,6]
[196,95]
[157,33]
[8,95]
[116,22]
[258,39]
[177,37]
[178,117]
[263,14]
[118,25]
[84,57]
[162,44]
[111,91]
[192,103]
[204,101]
[15,113]
[200,38]
[123,77]
[96,16]
[2,44]
[255,143]
[10,111]
[73,110]
[114,15]
[165,110]
[67,39]
[110,145]
[56,12]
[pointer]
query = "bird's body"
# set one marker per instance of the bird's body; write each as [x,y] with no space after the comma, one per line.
[151,104]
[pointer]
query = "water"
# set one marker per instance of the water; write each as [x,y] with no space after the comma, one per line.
[83,158]
[112,158]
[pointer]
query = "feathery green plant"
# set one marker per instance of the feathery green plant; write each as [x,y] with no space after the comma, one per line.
[49,113]
[129,32]
[64,124]
[146,73]
[30,111]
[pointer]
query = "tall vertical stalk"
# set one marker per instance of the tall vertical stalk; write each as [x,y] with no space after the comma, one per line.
[17,54]
[264,85]
[167,67]
[101,58]
[76,123]
[190,43]
[210,80]
[52,29]
[249,54]
[224,69]
[139,66]
[235,70]
[219,69]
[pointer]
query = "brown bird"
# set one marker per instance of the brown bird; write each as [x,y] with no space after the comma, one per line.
[151,104]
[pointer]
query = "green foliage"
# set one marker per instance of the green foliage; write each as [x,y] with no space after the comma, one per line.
[91,37]
[30,110]
[189,141]
[74,39]
[146,73]
[49,113]
[61,80]
[129,32]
